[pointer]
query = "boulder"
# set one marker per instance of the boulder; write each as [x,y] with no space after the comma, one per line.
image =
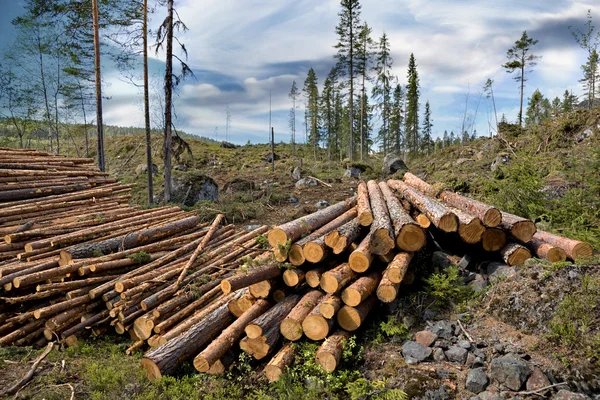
[537,380]
[510,371]
[414,352]
[426,338]
[180,167]
[477,380]
[237,185]
[393,163]
[564,394]
[321,204]
[191,188]
[306,183]
[297,173]
[498,271]
[267,157]
[501,159]
[143,169]
[444,329]
[227,145]
[352,172]
[456,354]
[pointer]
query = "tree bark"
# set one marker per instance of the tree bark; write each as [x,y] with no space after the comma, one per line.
[520,228]
[382,239]
[547,251]
[167,146]
[489,216]
[255,275]
[361,258]
[280,362]
[335,280]
[330,352]
[272,317]
[361,289]
[515,254]
[340,239]
[575,249]
[365,216]
[291,326]
[351,318]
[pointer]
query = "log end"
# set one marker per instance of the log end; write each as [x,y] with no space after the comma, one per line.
[492,217]
[331,239]
[493,239]
[556,254]
[365,218]
[201,364]
[382,242]
[273,372]
[313,252]
[291,277]
[327,310]
[315,327]
[327,361]
[225,286]
[582,250]
[253,331]
[152,370]
[519,256]
[423,221]
[411,238]
[313,279]
[351,297]
[359,262]
[340,245]
[329,283]
[448,223]
[277,236]
[291,329]
[295,255]
[387,293]
[471,233]
[348,318]
[523,230]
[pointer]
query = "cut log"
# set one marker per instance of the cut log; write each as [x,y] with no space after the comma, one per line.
[280,362]
[263,289]
[440,215]
[272,317]
[223,363]
[383,238]
[365,216]
[346,235]
[263,345]
[291,326]
[520,228]
[470,228]
[304,225]
[417,183]
[387,291]
[255,275]
[330,352]
[409,235]
[361,289]
[330,305]
[361,258]
[315,326]
[351,318]
[195,305]
[515,254]
[165,359]
[493,239]
[293,277]
[333,281]
[238,306]
[488,215]
[547,251]
[313,277]
[422,220]
[575,249]
[219,346]
[396,270]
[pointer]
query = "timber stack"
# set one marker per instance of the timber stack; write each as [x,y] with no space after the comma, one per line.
[78,264]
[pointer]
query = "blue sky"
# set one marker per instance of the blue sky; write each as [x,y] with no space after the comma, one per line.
[241,50]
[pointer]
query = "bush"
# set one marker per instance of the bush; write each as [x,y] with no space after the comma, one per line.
[448,286]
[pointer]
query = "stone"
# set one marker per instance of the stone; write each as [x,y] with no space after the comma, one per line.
[473,362]
[489,396]
[438,355]
[497,271]
[480,354]
[426,338]
[537,380]
[393,163]
[510,371]
[414,352]
[180,167]
[465,344]
[443,344]
[321,204]
[430,314]
[293,199]
[267,157]
[191,188]
[478,284]
[564,394]
[583,135]
[443,329]
[143,169]
[440,260]
[297,173]
[466,262]
[477,380]
[238,185]
[456,354]
[510,348]
[501,159]
[464,317]
[306,183]
[249,228]
[498,348]
[352,172]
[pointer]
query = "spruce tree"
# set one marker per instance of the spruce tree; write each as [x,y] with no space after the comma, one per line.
[348,29]
[311,92]
[412,108]
[446,139]
[382,90]
[538,109]
[363,64]
[292,122]
[397,119]
[427,141]
[569,102]
[327,112]
[589,42]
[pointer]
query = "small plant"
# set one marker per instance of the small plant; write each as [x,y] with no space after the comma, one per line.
[448,286]
[262,242]
[141,257]
[284,248]
[98,253]
[557,266]
[392,328]
[364,389]
[285,265]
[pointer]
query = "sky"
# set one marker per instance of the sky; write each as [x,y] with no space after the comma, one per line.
[243,51]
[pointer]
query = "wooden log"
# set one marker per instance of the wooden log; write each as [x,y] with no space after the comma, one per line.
[219,346]
[65,286]
[58,307]
[396,270]
[263,289]
[165,359]
[409,235]
[293,276]
[291,325]
[387,291]
[20,332]
[365,216]
[351,318]
[180,315]
[330,352]
[547,251]
[520,228]
[223,363]
[515,254]
[238,306]
[493,239]
[19,194]
[315,326]
[345,236]
[330,305]
[313,276]
[440,215]
[255,275]
[361,258]
[361,289]
[335,280]
[382,239]
[305,225]
[575,249]
[272,317]
[422,220]
[470,228]
[420,185]
[280,362]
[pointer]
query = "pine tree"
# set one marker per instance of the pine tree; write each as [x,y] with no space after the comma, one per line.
[591,76]
[569,102]
[327,112]
[348,29]
[363,65]
[292,123]
[311,92]
[412,108]
[446,139]
[427,140]
[522,60]
[538,109]
[382,90]
[556,107]
[589,42]
[397,119]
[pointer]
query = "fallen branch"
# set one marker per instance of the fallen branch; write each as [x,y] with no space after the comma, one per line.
[29,375]
[462,328]
[320,181]
[537,391]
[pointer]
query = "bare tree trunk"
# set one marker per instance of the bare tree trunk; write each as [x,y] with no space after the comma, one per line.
[147,107]
[168,101]
[522,88]
[99,123]
[272,149]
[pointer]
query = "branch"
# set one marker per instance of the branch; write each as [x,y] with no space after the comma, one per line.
[15,388]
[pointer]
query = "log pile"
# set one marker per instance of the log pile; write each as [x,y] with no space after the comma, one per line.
[195,292]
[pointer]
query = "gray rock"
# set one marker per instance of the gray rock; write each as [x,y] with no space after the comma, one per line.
[501,159]
[480,354]
[497,271]
[306,183]
[143,169]
[267,157]
[583,135]
[440,260]
[465,344]
[510,371]
[180,167]
[477,380]
[564,394]
[426,338]
[322,204]
[443,344]
[473,361]
[489,396]
[478,284]
[498,348]
[393,163]
[510,348]
[297,173]
[352,172]
[456,354]
[191,188]
[249,228]
[438,355]
[293,199]
[444,329]
[415,352]
[466,262]
[537,380]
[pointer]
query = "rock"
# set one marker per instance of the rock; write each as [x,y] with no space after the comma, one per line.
[143,169]
[509,348]
[352,172]
[489,396]
[510,371]
[498,348]
[564,394]
[293,199]
[180,167]
[501,159]
[473,361]
[267,157]
[227,145]
[430,314]
[306,183]
[322,204]
[479,283]
[415,352]
[477,380]
[438,355]
[191,188]
[426,338]
[237,185]
[580,137]
[464,317]
[479,354]
[465,344]
[249,228]
[466,262]
[444,344]
[462,161]
[497,271]
[456,354]
[297,173]
[443,329]
[393,163]
[537,380]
